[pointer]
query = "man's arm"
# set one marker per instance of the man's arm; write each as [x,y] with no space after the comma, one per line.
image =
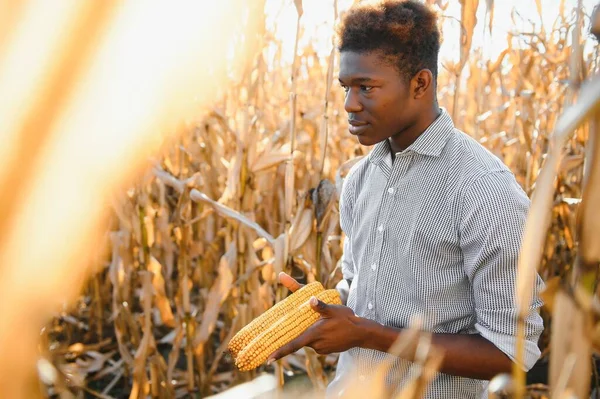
[470,356]
[339,329]
[492,221]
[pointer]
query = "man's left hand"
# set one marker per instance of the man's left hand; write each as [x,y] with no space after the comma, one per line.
[337,330]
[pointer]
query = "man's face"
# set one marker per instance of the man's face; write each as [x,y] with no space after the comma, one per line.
[378,99]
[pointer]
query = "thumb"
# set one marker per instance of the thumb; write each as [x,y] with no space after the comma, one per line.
[319,306]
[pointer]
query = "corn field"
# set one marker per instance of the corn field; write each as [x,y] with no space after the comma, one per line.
[249,187]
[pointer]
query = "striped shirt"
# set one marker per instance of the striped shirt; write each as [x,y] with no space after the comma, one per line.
[434,231]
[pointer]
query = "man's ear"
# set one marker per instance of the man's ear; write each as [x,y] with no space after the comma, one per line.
[421,83]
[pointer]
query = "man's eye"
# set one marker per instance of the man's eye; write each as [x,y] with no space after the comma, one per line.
[366,88]
[345,88]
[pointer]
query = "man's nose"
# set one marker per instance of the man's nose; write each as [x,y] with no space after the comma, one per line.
[352,103]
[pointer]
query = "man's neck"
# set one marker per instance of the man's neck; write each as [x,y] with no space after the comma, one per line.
[404,139]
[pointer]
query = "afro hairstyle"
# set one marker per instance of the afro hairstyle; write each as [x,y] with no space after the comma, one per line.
[404,32]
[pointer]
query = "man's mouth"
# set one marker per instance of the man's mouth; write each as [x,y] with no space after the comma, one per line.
[357,127]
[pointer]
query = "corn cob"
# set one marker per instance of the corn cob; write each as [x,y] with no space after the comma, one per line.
[283,331]
[266,320]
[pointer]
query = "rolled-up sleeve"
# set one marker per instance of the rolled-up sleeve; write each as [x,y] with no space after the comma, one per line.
[493,215]
[346,205]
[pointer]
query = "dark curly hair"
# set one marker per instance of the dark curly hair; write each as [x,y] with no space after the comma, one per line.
[405,32]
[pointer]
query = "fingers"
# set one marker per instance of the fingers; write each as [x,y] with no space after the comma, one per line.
[289,282]
[319,306]
[289,348]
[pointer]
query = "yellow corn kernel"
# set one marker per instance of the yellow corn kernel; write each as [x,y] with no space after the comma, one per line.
[283,331]
[265,320]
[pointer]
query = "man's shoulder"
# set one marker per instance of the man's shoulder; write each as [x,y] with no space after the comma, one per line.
[479,172]
[469,159]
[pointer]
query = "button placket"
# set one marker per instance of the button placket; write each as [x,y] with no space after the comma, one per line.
[379,240]
[399,169]
[372,273]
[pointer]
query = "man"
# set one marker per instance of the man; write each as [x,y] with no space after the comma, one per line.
[433,221]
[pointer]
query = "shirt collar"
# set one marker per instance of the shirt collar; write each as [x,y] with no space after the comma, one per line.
[431,142]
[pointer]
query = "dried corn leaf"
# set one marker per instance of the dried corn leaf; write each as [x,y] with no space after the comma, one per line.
[162,302]
[571,162]
[539,216]
[301,229]
[281,252]
[538,5]
[262,386]
[96,361]
[149,228]
[570,340]
[468,20]
[314,369]
[216,296]
[549,293]
[589,216]
[169,180]
[141,386]
[198,196]
[289,196]
[376,386]
[269,160]
[299,9]
[418,386]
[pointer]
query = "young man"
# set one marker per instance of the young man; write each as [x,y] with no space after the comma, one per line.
[433,221]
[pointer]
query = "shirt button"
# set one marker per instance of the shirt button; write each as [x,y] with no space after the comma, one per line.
[370,306]
[373,266]
[380,228]
[391,190]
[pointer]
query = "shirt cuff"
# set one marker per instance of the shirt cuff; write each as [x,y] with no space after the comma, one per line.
[508,345]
